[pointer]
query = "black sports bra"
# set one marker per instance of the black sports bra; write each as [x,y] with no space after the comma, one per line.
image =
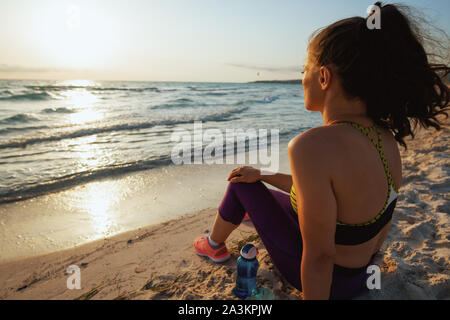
[353,234]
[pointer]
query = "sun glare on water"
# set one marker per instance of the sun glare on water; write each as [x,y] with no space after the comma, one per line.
[98,200]
[86,115]
[97,203]
[79,98]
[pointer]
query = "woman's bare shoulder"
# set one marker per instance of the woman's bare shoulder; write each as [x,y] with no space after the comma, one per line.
[317,143]
[321,137]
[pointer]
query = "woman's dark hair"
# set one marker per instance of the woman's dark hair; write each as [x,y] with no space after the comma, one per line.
[387,68]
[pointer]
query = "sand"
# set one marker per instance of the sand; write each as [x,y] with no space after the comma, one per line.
[158,262]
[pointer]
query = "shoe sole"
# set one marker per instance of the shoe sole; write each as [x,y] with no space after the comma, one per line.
[222,259]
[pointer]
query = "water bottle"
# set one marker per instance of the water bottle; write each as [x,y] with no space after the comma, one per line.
[261,294]
[247,268]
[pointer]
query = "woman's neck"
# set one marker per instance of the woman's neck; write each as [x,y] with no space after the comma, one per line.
[338,108]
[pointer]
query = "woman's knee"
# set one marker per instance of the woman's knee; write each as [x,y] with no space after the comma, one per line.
[240,186]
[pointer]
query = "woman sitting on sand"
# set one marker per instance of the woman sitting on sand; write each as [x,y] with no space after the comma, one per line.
[368,85]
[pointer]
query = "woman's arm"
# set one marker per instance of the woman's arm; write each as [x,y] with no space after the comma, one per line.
[249,174]
[317,211]
[279,180]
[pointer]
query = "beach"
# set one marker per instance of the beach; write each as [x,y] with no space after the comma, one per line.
[158,261]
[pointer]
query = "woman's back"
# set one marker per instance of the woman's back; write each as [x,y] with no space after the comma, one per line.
[360,183]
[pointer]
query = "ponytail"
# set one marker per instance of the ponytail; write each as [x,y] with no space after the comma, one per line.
[388,69]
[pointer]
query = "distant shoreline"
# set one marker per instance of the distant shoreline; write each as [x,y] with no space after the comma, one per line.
[279,81]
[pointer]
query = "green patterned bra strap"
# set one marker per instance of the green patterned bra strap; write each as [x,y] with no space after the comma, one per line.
[366,131]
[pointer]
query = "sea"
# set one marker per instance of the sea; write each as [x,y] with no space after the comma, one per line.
[58,134]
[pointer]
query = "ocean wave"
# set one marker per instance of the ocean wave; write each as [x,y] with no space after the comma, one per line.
[168,90]
[6,93]
[20,155]
[91,88]
[28,96]
[58,110]
[36,93]
[153,89]
[30,191]
[222,116]
[219,116]
[33,190]
[213,89]
[16,129]
[182,100]
[268,99]
[177,103]
[215,93]
[19,118]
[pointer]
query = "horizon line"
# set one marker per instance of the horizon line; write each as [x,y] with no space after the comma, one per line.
[172,81]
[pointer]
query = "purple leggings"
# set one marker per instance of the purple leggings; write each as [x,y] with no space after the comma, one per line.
[277,225]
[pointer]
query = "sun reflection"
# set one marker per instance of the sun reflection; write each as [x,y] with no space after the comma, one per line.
[81,99]
[88,153]
[98,200]
[85,115]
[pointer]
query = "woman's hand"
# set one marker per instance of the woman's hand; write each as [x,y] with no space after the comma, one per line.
[245,174]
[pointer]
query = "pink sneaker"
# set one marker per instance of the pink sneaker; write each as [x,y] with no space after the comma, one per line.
[204,249]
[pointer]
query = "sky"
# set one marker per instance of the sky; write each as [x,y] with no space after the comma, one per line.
[170,40]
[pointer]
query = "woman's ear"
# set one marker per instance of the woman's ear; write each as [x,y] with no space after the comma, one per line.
[324,77]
